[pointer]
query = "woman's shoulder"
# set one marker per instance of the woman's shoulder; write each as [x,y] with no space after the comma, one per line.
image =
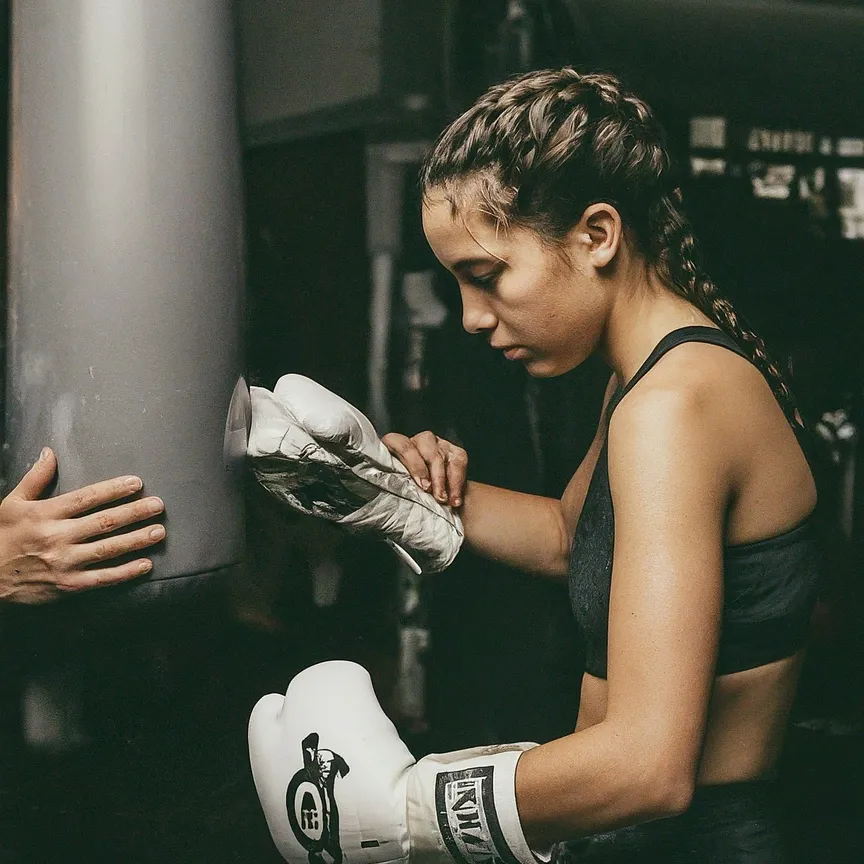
[703,409]
[697,380]
[699,398]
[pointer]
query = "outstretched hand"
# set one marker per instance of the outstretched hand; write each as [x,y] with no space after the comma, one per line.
[55,546]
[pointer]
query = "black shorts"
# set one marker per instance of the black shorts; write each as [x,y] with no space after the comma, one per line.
[735,823]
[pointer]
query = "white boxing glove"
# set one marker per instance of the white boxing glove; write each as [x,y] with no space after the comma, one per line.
[333,776]
[317,452]
[330,773]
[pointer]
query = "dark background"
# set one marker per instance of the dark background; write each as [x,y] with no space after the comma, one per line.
[161,772]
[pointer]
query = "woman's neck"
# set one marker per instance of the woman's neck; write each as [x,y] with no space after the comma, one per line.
[643,313]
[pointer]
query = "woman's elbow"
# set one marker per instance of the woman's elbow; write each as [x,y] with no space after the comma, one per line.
[677,797]
[669,792]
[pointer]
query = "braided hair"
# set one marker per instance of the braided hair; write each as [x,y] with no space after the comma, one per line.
[542,146]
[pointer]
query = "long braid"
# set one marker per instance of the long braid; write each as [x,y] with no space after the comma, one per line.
[679,263]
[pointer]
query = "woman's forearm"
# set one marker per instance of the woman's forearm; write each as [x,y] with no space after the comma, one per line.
[595,780]
[524,531]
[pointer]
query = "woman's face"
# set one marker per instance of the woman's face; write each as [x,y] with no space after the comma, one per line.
[536,304]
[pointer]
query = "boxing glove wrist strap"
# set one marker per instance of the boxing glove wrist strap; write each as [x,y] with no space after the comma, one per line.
[463,805]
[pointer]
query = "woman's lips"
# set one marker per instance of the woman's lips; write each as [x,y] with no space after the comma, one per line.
[515,353]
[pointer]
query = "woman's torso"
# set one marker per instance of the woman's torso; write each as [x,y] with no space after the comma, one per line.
[774,493]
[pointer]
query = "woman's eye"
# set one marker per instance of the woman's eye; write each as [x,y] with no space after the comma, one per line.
[487,280]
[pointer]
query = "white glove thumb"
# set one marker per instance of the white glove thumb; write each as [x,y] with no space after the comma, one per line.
[330,769]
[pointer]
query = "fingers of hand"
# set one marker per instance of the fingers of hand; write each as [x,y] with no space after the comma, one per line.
[436,465]
[434,451]
[85,580]
[405,450]
[35,481]
[457,467]
[110,520]
[88,498]
[112,547]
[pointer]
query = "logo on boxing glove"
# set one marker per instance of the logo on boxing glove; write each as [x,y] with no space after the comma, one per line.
[467,818]
[312,811]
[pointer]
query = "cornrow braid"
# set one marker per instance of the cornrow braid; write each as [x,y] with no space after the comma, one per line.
[536,150]
[678,261]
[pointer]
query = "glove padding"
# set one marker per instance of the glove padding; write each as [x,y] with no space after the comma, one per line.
[333,775]
[319,454]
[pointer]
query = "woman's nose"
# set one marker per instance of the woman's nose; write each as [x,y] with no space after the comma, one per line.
[477,315]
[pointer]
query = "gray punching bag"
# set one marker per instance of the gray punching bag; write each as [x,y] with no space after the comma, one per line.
[125,274]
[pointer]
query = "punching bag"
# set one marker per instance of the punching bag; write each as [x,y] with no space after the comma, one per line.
[125,262]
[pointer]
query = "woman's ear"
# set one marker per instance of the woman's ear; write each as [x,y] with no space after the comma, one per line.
[600,232]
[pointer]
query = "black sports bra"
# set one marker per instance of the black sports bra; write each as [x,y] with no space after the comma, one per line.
[769,585]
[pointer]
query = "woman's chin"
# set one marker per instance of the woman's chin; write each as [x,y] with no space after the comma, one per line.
[547,367]
[542,367]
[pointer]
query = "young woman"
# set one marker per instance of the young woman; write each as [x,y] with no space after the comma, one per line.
[684,534]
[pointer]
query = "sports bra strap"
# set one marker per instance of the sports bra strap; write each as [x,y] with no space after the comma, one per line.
[696,333]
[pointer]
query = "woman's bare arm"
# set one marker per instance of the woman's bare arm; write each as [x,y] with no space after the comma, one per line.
[670,485]
[529,532]
[524,531]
